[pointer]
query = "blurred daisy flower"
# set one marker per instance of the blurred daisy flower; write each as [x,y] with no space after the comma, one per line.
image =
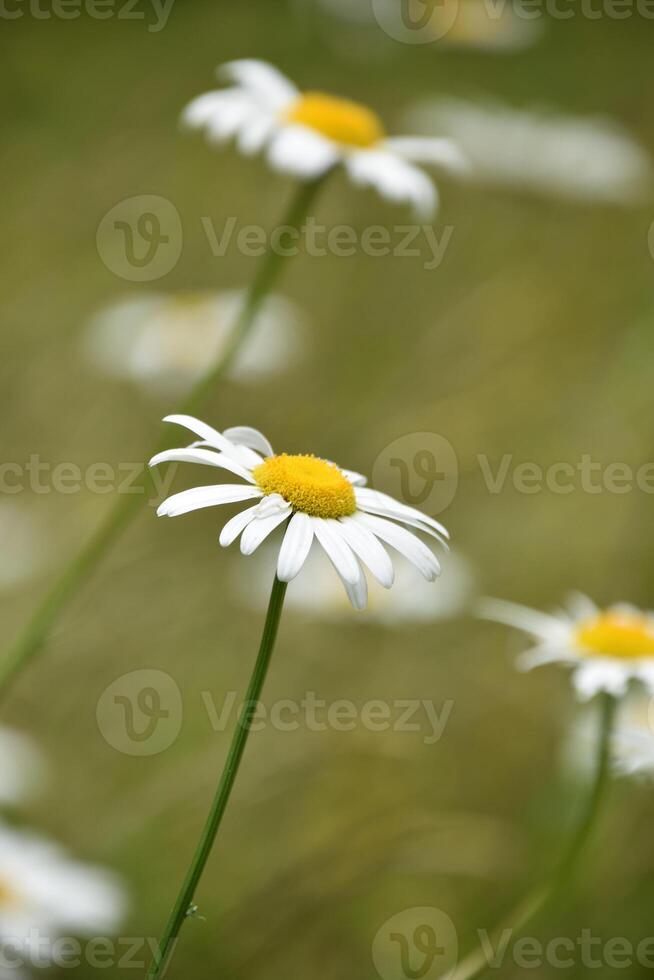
[565,156]
[317,593]
[23,544]
[22,767]
[45,895]
[607,648]
[161,341]
[472,25]
[306,134]
[633,739]
[315,499]
[632,742]
[477,25]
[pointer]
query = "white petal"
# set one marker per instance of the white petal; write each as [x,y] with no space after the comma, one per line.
[433,150]
[259,529]
[544,653]
[645,673]
[236,524]
[356,479]
[376,502]
[236,116]
[593,676]
[330,536]
[255,132]
[199,497]
[403,541]
[243,435]
[261,79]
[273,503]
[539,624]
[212,437]
[302,152]
[394,179]
[205,107]
[222,114]
[295,547]
[580,606]
[366,546]
[206,456]
[358,593]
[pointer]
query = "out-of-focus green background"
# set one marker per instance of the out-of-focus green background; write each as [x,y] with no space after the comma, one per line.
[534,338]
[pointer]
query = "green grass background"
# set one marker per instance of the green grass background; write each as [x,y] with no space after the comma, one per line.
[534,337]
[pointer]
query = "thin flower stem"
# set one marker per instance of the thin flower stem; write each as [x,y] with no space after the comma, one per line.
[539,898]
[30,641]
[183,907]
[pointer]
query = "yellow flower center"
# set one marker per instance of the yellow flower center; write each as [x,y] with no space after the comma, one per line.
[309,484]
[338,119]
[617,634]
[8,897]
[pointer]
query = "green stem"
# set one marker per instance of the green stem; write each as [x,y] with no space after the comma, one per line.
[31,639]
[540,897]
[183,907]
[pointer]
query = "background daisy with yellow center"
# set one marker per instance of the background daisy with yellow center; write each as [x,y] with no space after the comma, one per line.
[316,499]
[306,134]
[607,648]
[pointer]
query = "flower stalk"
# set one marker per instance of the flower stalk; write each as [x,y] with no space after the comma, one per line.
[33,636]
[540,897]
[184,907]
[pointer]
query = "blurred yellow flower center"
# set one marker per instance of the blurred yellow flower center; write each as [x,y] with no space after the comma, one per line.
[338,119]
[309,484]
[617,634]
[8,896]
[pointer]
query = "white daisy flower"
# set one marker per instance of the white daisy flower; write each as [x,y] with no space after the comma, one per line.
[44,895]
[317,593]
[607,648]
[161,341]
[306,134]
[572,157]
[313,497]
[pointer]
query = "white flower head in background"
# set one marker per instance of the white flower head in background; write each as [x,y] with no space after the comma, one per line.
[478,25]
[606,648]
[548,153]
[161,341]
[632,749]
[23,544]
[315,499]
[44,894]
[306,134]
[317,593]
[22,767]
